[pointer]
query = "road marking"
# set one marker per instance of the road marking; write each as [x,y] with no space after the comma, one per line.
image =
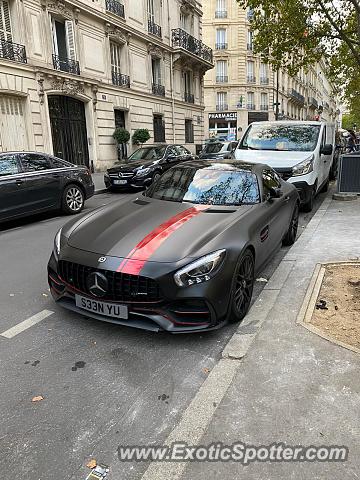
[29,322]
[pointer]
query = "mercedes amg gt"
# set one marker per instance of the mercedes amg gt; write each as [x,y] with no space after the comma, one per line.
[183,255]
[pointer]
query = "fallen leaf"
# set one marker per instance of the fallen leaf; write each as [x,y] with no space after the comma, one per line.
[92,463]
[38,398]
[11,294]
[45,295]
[206,370]
[264,280]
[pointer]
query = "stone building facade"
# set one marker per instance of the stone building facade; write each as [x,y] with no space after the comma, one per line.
[72,71]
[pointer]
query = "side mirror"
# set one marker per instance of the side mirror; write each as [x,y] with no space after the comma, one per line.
[170,158]
[275,193]
[326,149]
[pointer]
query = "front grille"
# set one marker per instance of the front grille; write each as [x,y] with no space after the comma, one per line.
[123,175]
[285,173]
[122,286]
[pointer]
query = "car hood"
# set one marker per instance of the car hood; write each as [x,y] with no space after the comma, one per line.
[130,166]
[154,230]
[275,159]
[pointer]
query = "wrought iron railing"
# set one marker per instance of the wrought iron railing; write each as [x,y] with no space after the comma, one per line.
[251,106]
[66,65]
[220,107]
[293,94]
[12,51]
[251,79]
[313,102]
[250,46]
[222,78]
[120,79]
[221,14]
[264,80]
[221,46]
[115,7]
[189,97]
[264,107]
[154,28]
[182,39]
[158,89]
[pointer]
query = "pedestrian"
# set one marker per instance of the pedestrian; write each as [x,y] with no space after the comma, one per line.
[352,141]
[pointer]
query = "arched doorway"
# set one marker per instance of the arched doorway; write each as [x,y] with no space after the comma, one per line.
[68,128]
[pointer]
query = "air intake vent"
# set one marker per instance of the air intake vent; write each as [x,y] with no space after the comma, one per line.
[349,174]
[138,201]
[219,210]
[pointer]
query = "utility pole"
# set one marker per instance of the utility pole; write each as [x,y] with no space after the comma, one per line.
[277,95]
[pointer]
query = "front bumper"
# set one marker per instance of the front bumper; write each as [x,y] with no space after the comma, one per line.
[130,182]
[177,310]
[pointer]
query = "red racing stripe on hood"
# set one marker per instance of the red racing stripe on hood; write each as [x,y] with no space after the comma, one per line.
[148,245]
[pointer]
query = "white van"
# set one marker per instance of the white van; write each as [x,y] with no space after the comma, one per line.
[301,152]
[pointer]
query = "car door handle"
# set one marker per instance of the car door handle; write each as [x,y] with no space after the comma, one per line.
[19,181]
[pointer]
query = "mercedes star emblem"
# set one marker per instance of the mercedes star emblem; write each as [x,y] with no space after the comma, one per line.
[97,284]
[102,259]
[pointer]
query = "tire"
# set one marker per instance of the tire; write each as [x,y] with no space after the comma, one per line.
[325,188]
[309,205]
[156,177]
[290,236]
[73,199]
[242,288]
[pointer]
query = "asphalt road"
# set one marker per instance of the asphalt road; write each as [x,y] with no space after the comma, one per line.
[103,385]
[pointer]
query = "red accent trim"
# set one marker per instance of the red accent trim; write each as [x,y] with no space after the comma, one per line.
[148,245]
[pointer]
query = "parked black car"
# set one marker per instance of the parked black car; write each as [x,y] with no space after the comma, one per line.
[32,182]
[145,165]
[217,149]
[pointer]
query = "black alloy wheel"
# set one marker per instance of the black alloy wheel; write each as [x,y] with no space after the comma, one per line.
[242,287]
[291,234]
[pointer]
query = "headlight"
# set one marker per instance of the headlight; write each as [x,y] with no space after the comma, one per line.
[201,270]
[142,172]
[57,243]
[304,167]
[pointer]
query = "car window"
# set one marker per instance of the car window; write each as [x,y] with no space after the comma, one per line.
[182,150]
[148,153]
[33,162]
[58,163]
[214,147]
[8,165]
[207,186]
[270,180]
[173,151]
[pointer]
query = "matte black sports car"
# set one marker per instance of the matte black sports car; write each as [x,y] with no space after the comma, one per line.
[145,165]
[32,182]
[181,257]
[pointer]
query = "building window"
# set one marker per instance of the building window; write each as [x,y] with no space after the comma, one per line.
[157,86]
[221,39]
[118,78]
[264,102]
[250,40]
[188,87]
[250,101]
[64,56]
[250,71]
[220,11]
[186,22]
[222,71]
[264,79]
[120,122]
[189,131]
[153,16]
[159,129]
[5,22]
[221,101]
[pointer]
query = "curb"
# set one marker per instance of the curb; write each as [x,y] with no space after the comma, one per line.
[102,190]
[198,415]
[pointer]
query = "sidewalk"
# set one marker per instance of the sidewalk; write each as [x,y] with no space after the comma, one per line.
[291,386]
[98,179]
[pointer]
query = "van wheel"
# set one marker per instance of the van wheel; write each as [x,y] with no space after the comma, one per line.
[325,188]
[309,205]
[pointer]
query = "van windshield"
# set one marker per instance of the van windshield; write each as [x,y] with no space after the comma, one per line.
[299,138]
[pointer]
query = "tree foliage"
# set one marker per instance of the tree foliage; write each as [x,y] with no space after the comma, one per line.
[141,136]
[291,34]
[351,121]
[121,135]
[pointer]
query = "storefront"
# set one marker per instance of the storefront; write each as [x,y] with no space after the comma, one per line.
[223,125]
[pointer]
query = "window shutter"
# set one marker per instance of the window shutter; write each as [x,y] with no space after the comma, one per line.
[5,22]
[70,39]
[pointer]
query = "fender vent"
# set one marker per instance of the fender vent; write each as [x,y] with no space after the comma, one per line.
[219,210]
[138,201]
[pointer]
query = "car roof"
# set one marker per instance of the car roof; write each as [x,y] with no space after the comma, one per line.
[234,165]
[26,152]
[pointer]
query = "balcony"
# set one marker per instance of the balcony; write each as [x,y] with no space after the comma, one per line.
[189,97]
[251,79]
[222,78]
[221,107]
[154,29]
[264,80]
[186,42]
[120,80]
[158,90]
[313,103]
[251,106]
[264,108]
[12,51]
[296,97]
[221,14]
[221,46]
[115,7]
[66,65]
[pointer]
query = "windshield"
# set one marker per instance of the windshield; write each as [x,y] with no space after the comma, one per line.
[215,147]
[148,153]
[301,138]
[208,186]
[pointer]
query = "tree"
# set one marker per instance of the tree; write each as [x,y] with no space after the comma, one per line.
[140,136]
[351,121]
[291,34]
[121,135]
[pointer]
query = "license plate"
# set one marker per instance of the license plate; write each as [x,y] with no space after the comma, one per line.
[120,182]
[102,308]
